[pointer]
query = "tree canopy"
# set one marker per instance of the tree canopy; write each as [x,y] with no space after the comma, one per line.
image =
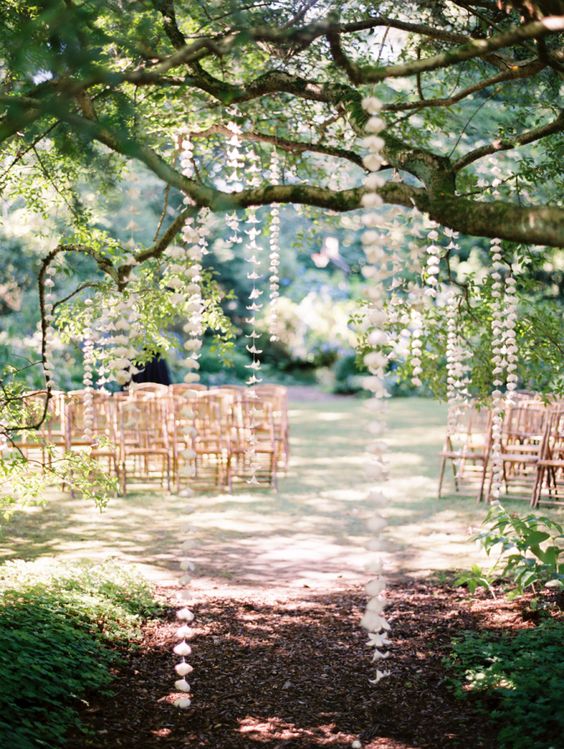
[89,85]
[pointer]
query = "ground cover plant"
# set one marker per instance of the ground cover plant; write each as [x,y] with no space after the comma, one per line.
[60,627]
[518,678]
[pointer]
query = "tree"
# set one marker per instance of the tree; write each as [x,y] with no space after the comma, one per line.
[89,86]
[111,81]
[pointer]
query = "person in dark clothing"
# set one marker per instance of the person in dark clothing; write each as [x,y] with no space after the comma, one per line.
[156,370]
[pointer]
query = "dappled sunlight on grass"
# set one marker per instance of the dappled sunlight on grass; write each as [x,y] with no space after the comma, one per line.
[310,532]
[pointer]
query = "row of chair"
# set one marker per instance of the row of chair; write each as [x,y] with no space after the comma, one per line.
[532,450]
[181,435]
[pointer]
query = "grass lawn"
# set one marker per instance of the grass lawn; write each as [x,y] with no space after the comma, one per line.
[309,533]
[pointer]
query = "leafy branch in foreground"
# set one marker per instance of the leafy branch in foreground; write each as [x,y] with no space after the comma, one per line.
[529,550]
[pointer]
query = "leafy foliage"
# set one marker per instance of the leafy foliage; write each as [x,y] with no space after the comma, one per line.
[59,630]
[518,680]
[529,547]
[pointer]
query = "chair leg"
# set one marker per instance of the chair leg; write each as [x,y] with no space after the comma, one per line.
[537,489]
[441,477]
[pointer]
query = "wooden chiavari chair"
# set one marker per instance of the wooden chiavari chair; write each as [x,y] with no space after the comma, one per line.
[253,419]
[104,445]
[521,440]
[145,453]
[550,465]
[211,442]
[467,449]
[277,396]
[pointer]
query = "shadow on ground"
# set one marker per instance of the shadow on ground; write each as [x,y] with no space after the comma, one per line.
[295,674]
[311,532]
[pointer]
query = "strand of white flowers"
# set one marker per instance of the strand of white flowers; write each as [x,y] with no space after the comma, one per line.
[499,352]
[197,235]
[183,649]
[375,360]
[433,251]
[234,165]
[183,276]
[274,257]
[499,367]
[510,338]
[122,320]
[416,347]
[454,363]
[186,269]
[88,375]
[253,251]
[457,370]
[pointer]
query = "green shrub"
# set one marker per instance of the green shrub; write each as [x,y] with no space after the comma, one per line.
[518,679]
[59,629]
[529,548]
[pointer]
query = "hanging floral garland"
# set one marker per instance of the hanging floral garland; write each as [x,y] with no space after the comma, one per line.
[88,375]
[183,276]
[433,251]
[234,165]
[373,619]
[510,338]
[499,367]
[186,269]
[183,650]
[274,257]
[253,250]
[504,349]
[456,367]
[121,319]
[416,347]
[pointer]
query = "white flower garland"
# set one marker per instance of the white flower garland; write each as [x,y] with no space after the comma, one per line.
[416,347]
[274,258]
[510,340]
[183,649]
[235,164]
[186,269]
[456,367]
[373,619]
[504,348]
[433,251]
[499,367]
[253,249]
[120,317]
[88,375]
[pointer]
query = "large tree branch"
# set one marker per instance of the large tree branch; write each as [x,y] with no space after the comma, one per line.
[469,51]
[535,225]
[514,73]
[291,146]
[506,144]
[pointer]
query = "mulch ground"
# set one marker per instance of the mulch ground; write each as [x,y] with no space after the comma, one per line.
[295,674]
